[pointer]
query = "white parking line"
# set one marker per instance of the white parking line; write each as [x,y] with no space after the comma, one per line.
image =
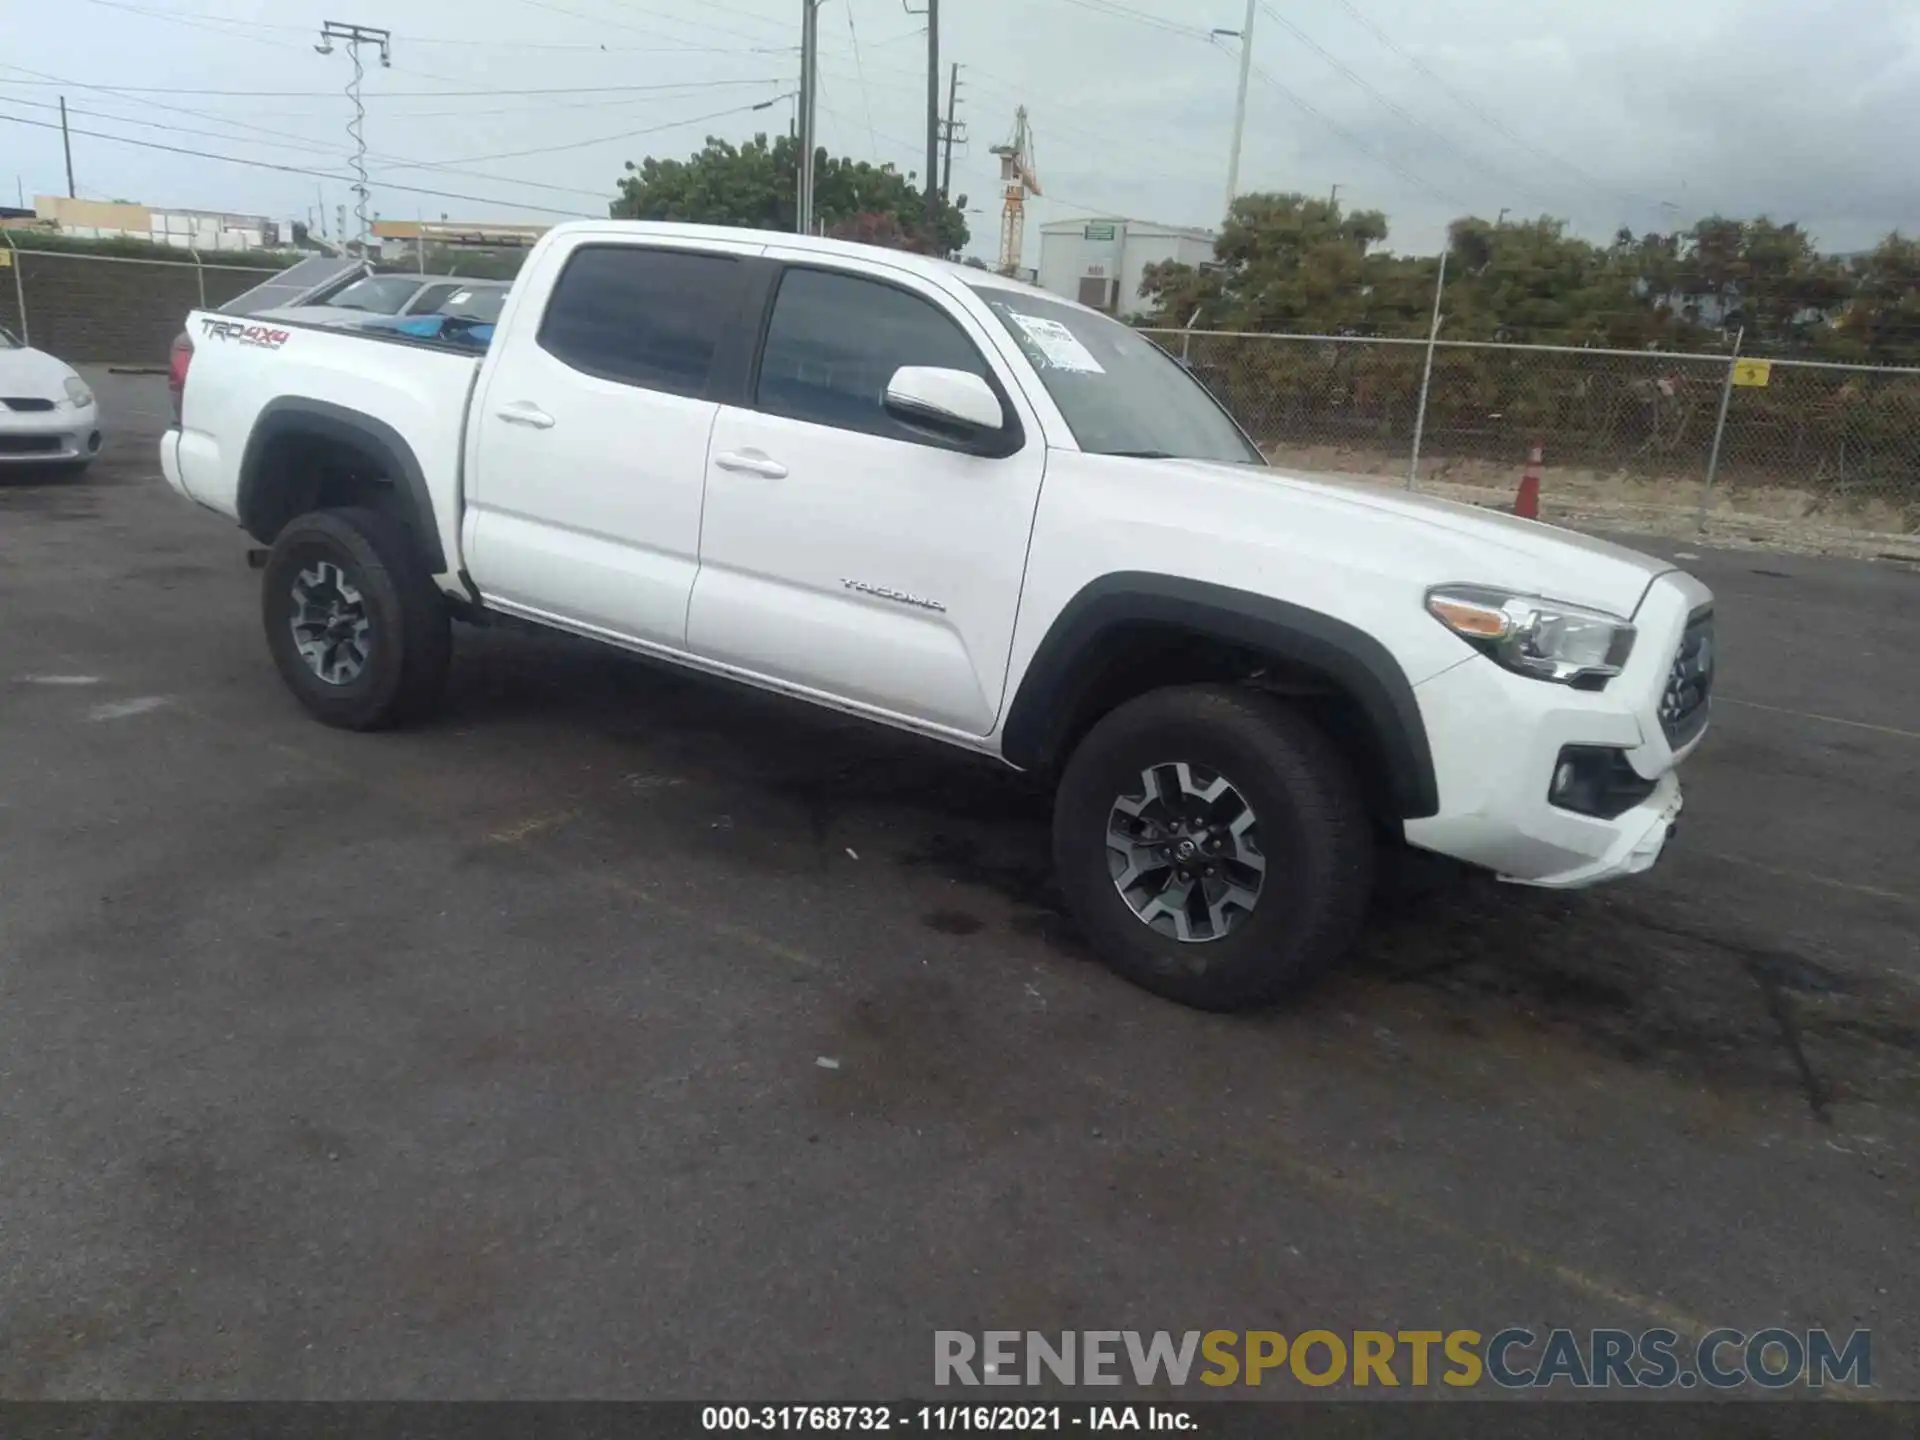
[121,709]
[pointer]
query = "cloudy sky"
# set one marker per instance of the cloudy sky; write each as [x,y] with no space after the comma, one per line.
[1649,113]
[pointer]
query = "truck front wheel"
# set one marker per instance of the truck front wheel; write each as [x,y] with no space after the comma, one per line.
[1214,845]
[354,623]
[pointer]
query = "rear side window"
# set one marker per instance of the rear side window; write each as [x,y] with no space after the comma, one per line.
[835,341]
[651,318]
[377,294]
[430,299]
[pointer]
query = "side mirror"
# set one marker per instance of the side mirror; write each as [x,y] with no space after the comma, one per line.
[950,404]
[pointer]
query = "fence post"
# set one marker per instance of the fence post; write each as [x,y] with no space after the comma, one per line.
[19,289]
[200,274]
[1186,338]
[1720,426]
[1426,377]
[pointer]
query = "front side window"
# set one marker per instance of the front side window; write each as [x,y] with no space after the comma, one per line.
[1119,393]
[835,341]
[651,318]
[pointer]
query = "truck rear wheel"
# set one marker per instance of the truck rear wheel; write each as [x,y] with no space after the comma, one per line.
[1213,845]
[354,623]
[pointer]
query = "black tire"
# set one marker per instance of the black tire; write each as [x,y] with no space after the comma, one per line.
[1312,825]
[409,630]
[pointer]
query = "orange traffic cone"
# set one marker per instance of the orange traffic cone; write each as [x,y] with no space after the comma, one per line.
[1527,503]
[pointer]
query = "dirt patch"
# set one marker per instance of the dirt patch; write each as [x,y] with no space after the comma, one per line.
[1757,516]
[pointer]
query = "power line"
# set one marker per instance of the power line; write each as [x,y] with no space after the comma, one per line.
[382,162]
[656,14]
[1354,140]
[1474,109]
[1413,120]
[861,71]
[580,144]
[427,40]
[397,94]
[385,160]
[285,169]
[1140,17]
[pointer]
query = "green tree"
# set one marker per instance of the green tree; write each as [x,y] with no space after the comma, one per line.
[1881,324]
[1283,262]
[754,185]
[1766,278]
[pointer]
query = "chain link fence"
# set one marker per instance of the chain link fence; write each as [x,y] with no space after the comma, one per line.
[1623,433]
[110,309]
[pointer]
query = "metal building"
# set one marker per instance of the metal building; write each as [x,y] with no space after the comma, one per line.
[1100,262]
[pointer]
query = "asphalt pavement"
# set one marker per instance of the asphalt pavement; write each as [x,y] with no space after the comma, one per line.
[623,1034]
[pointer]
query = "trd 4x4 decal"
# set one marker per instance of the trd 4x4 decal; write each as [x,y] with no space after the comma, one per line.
[246,334]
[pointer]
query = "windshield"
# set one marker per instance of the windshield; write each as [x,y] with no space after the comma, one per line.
[377,294]
[1120,393]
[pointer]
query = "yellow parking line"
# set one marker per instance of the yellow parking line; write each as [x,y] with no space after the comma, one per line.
[514,834]
[1811,715]
[1813,879]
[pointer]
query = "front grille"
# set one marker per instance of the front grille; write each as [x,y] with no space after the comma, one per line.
[25,404]
[29,444]
[1685,702]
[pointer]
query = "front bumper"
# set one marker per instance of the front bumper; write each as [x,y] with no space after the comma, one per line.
[49,437]
[1497,737]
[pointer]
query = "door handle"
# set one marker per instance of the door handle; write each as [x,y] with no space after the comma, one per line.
[523,412]
[750,462]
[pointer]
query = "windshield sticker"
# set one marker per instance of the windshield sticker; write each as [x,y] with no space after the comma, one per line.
[1058,345]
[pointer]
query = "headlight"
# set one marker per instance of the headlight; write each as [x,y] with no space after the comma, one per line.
[1544,639]
[78,393]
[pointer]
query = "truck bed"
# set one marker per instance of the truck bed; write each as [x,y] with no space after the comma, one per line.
[244,369]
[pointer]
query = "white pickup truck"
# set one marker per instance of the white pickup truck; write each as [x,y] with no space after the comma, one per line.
[949,502]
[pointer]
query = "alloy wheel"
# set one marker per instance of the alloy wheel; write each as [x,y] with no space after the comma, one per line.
[1184,853]
[330,626]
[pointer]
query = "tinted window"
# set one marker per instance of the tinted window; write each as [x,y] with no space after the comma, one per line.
[378,294]
[835,342]
[1119,392]
[642,317]
[430,299]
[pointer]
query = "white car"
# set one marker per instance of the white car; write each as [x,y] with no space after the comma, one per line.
[48,415]
[944,501]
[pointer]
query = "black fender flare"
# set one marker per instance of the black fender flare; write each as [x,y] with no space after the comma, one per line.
[376,439]
[1066,662]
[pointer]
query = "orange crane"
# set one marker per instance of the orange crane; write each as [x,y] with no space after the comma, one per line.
[1018,178]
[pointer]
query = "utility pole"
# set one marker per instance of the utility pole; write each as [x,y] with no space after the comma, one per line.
[946,163]
[933,116]
[1333,197]
[809,95]
[1240,104]
[66,144]
[356,36]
